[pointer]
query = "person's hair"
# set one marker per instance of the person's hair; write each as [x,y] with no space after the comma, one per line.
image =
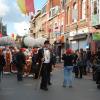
[69,51]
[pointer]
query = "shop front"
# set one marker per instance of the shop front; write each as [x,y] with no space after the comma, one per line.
[79,41]
[95,40]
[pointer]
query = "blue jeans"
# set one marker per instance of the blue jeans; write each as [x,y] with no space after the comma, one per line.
[68,75]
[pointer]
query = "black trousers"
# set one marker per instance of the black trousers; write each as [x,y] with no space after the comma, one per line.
[19,73]
[1,72]
[78,71]
[45,75]
[97,77]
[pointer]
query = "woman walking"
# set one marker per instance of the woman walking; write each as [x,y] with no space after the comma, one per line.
[68,68]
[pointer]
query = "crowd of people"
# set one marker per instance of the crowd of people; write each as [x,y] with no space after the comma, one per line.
[39,62]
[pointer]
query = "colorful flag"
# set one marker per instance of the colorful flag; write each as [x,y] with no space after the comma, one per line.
[26,6]
[21,4]
[30,6]
[0,34]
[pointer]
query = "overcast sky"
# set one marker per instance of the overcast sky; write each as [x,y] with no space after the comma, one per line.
[15,20]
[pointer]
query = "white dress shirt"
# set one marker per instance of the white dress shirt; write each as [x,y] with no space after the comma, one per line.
[46,56]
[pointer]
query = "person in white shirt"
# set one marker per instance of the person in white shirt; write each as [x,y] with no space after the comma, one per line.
[44,55]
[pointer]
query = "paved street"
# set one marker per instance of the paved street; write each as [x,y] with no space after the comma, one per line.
[83,89]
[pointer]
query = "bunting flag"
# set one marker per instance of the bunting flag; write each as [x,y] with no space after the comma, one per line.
[0,34]
[26,6]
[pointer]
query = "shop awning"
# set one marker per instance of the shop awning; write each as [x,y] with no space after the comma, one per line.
[79,37]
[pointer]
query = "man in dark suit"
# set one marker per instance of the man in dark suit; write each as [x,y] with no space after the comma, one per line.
[44,60]
[20,62]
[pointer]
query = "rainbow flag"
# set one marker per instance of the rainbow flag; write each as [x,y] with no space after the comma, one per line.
[26,6]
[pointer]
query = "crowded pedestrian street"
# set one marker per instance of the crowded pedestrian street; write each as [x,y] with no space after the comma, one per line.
[83,89]
[49,49]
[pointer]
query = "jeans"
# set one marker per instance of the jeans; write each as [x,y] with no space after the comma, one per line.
[68,75]
[89,65]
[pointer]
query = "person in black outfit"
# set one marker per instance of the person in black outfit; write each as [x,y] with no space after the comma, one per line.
[88,58]
[20,62]
[44,57]
[35,64]
[2,63]
[80,63]
[75,69]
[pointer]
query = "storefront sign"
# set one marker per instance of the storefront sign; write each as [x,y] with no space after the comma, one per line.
[80,36]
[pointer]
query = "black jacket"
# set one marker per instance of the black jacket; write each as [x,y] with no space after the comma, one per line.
[20,59]
[2,61]
[68,60]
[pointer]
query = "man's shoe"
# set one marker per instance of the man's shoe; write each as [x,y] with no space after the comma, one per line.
[49,83]
[64,86]
[46,89]
[70,86]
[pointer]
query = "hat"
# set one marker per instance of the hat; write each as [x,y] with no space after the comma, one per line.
[46,42]
[22,49]
[69,51]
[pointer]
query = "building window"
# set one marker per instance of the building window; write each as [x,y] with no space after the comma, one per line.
[95,7]
[75,12]
[83,9]
[44,10]
[63,2]
[34,24]
[51,3]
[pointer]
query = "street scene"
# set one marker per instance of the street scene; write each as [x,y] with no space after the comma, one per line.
[49,49]
[83,89]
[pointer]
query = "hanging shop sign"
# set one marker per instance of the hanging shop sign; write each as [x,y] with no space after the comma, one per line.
[96,36]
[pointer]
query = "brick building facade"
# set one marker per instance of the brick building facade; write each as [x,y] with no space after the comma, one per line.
[67,21]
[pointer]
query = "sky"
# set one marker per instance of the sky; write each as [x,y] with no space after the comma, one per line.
[16,22]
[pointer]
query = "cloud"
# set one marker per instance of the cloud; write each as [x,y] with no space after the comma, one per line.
[4,9]
[21,28]
[12,17]
[14,14]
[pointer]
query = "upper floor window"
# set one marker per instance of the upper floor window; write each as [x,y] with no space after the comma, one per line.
[95,7]
[44,10]
[34,24]
[75,12]
[63,2]
[83,9]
